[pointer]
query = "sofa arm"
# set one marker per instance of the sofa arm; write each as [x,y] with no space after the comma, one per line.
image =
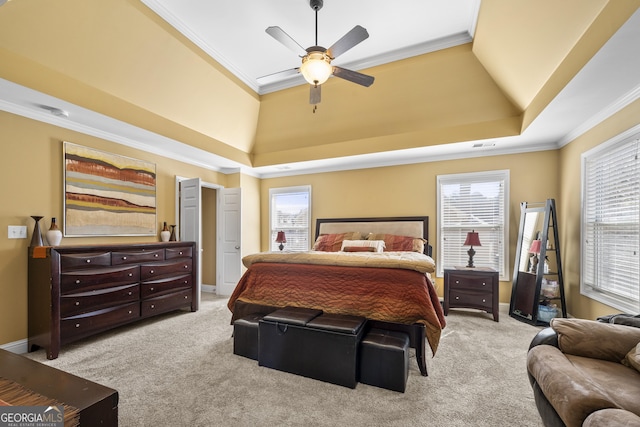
[559,379]
[612,418]
[547,336]
[596,340]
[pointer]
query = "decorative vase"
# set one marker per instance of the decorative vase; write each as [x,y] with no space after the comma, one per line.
[54,235]
[165,234]
[36,238]
[173,234]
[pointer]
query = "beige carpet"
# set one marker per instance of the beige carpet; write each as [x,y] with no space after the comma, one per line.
[179,370]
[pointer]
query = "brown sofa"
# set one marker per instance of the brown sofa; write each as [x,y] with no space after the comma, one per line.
[586,373]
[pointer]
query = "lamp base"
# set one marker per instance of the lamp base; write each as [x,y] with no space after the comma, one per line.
[471,252]
[281,246]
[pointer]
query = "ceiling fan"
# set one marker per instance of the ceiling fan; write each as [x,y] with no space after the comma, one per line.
[316,60]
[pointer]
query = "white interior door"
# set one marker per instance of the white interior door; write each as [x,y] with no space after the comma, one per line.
[229,267]
[190,218]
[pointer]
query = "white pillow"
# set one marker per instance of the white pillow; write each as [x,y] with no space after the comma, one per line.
[377,244]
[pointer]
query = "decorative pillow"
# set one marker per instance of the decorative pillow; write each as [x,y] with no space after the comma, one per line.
[377,245]
[399,243]
[358,249]
[632,359]
[333,242]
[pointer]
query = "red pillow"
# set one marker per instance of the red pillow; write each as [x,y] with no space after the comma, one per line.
[333,242]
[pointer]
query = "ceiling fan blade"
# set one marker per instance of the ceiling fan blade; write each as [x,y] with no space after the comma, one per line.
[349,40]
[280,75]
[284,38]
[314,94]
[353,76]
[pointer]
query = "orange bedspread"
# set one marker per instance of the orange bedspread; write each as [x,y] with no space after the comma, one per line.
[388,294]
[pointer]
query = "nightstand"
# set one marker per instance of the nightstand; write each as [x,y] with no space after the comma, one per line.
[471,288]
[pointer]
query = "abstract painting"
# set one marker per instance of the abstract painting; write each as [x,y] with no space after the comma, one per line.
[107,194]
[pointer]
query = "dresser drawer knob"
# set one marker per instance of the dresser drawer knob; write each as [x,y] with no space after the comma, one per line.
[130,293]
[180,252]
[156,255]
[151,289]
[186,282]
[484,300]
[153,306]
[457,281]
[186,266]
[124,257]
[88,261]
[484,284]
[186,297]
[150,271]
[457,297]
[130,311]
[77,281]
[77,325]
[77,302]
[130,274]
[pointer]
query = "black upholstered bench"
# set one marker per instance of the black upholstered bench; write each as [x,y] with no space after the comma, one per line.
[384,359]
[245,336]
[312,344]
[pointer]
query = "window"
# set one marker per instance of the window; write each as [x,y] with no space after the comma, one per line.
[473,201]
[611,224]
[290,211]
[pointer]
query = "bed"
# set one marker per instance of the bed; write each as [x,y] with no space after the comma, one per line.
[378,268]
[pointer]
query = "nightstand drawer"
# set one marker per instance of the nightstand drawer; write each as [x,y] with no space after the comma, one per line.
[457,281]
[470,299]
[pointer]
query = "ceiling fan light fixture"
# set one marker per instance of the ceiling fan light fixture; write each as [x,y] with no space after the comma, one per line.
[316,68]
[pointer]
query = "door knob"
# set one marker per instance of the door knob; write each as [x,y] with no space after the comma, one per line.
[237,247]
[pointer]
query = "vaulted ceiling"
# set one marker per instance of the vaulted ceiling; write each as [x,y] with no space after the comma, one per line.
[178,76]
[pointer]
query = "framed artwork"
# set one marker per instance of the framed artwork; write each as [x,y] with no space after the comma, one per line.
[107,194]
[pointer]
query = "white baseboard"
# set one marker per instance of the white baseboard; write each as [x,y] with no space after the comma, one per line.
[209,288]
[18,347]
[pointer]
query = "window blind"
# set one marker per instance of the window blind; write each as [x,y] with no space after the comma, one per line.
[611,224]
[476,201]
[290,211]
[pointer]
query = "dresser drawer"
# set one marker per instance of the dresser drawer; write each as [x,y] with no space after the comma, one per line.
[181,252]
[89,260]
[118,258]
[98,278]
[160,269]
[471,299]
[75,327]
[166,302]
[163,286]
[459,281]
[83,302]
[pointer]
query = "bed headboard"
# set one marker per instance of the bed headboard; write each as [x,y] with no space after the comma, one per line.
[414,226]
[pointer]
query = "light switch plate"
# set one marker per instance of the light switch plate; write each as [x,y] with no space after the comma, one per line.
[17,232]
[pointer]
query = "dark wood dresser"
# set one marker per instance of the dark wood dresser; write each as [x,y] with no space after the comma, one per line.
[472,288]
[79,291]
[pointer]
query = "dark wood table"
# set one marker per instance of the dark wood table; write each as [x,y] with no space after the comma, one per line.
[475,287]
[97,404]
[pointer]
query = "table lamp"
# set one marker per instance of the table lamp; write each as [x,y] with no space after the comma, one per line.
[282,239]
[535,250]
[472,240]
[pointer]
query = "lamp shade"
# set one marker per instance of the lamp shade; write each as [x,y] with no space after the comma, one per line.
[316,68]
[281,238]
[472,239]
[535,247]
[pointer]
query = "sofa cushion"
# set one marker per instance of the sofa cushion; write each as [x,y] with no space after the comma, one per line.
[612,418]
[632,359]
[593,339]
[620,383]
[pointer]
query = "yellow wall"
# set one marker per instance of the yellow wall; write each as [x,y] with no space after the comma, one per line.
[411,190]
[32,177]
[569,206]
